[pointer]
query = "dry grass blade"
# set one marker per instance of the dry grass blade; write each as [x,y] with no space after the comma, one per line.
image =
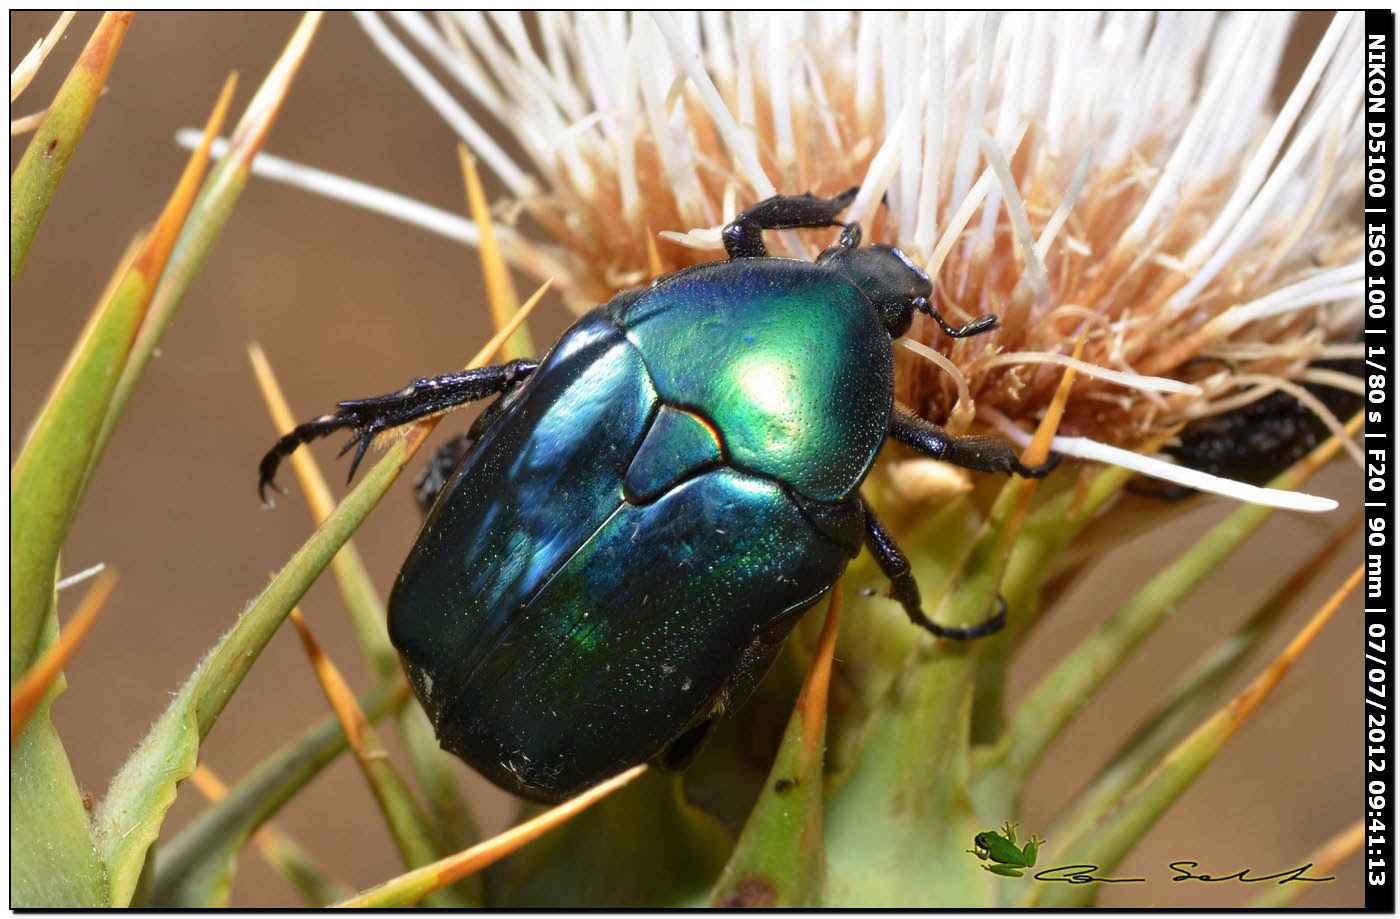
[361,598]
[974,589]
[515,322]
[811,701]
[1248,700]
[28,67]
[153,255]
[1039,449]
[282,853]
[500,289]
[653,256]
[409,888]
[413,834]
[1320,862]
[262,109]
[363,741]
[434,775]
[172,218]
[30,690]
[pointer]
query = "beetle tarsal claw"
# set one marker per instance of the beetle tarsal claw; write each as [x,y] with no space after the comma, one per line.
[1041,471]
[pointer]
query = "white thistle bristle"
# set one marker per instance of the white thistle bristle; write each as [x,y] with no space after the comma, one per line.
[1122,378]
[1088,449]
[80,576]
[528,257]
[1118,172]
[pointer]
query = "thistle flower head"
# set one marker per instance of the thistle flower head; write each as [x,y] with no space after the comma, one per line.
[1123,176]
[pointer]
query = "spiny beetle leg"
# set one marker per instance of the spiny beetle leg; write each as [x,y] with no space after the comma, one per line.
[980,453]
[435,474]
[906,591]
[367,418]
[743,238]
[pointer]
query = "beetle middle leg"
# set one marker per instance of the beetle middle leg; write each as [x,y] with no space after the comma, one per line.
[438,470]
[367,418]
[904,589]
[981,453]
[743,237]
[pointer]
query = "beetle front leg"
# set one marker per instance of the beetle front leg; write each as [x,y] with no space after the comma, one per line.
[905,590]
[743,237]
[367,418]
[435,474]
[978,452]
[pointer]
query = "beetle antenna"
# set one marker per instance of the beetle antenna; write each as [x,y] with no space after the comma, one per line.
[976,327]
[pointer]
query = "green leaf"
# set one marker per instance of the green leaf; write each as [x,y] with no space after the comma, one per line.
[641,847]
[52,861]
[36,178]
[47,480]
[195,867]
[129,816]
[58,457]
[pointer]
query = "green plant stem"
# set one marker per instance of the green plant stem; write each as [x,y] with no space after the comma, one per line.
[129,816]
[780,857]
[1106,843]
[1049,530]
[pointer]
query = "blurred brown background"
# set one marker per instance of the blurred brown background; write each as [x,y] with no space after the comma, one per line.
[348,304]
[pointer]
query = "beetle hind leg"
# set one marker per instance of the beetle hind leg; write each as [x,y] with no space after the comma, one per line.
[367,418]
[904,589]
[743,237]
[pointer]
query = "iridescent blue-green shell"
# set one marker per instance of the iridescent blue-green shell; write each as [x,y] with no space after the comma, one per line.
[621,553]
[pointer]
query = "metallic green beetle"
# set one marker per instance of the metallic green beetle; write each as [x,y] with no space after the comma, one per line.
[630,531]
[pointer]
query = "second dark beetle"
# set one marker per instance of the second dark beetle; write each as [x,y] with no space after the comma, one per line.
[641,518]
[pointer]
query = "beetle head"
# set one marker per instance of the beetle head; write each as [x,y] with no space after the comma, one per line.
[893,284]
